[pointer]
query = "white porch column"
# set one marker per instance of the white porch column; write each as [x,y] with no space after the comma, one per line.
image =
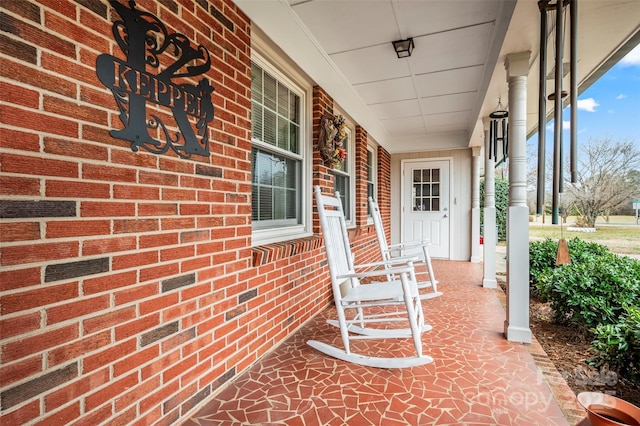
[475,204]
[489,244]
[517,323]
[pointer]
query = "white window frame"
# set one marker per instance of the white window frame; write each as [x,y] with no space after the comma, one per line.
[374,177]
[296,84]
[351,166]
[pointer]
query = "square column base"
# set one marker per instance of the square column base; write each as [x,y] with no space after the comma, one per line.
[517,324]
[517,334]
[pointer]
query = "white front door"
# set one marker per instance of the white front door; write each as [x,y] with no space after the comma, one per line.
[425,205]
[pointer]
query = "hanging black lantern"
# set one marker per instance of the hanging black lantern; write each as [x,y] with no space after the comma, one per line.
[498,132]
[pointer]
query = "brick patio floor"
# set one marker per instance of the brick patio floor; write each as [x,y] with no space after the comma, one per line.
[477,377]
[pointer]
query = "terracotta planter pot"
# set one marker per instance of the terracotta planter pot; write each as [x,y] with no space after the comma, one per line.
[607,410]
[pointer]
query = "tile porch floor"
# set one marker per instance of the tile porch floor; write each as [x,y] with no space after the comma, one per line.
[477,377]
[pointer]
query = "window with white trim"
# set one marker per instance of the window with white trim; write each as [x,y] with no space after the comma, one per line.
[372,171]
[277,155]
[343,180]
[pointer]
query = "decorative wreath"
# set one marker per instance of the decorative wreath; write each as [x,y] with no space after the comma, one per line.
[333,133]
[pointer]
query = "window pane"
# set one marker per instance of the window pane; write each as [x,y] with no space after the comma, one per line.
[294,108]
[370,178]
[294,137]
[283,101]
[256,83]
[277,175]
[292,181]
[265,203]
[279,204]
[435,204]
[269,92]
[417,176]
[283,133]
[256,121]
[292,204]
[255,212]
[275,187]
[341,184]
[269,127]
[436,175]
[344,165]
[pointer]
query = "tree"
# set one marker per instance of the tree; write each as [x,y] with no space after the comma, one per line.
[607,177]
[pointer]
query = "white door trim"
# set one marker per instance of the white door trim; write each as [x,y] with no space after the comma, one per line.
[403,188]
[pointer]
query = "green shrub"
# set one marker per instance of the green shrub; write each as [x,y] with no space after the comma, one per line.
[619,344]
[597,292]
[502,204]
[542,257]
[595,289]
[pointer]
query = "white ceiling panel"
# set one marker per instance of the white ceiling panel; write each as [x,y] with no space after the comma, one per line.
[462,128]
[399,89]
[341,26]
[405,126]
[434,16]
[452,49]
[448,119]
[371,64]
[397,109]
[447,82]
[448,103]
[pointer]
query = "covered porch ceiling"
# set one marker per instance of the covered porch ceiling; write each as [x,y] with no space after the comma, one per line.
[435,99]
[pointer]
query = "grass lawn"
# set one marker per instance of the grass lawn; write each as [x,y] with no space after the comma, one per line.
[621,239]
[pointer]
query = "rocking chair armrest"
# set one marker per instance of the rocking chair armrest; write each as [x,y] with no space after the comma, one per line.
[405,260]
[376,272]
[408,244]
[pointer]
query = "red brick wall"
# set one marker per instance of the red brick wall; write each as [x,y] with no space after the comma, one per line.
[129,288]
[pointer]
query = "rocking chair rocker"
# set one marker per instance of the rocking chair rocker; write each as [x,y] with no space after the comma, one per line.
[351,295]
[393,252]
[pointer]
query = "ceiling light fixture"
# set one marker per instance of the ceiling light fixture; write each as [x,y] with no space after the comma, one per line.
[403,48]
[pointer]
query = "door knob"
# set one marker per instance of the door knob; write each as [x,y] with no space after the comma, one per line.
[445,215]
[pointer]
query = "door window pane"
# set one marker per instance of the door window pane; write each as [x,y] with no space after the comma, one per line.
[426,190]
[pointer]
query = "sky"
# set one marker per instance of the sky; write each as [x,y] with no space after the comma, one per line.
[610,107]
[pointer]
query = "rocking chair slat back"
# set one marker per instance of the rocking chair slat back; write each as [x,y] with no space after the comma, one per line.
[369,301]
[387,252]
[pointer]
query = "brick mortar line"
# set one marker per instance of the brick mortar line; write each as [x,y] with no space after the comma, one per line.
[562,393]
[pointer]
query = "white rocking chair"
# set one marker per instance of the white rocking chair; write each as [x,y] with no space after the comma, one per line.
[351,295]
[393,252]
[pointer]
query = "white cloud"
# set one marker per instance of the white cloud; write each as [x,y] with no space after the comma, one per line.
[566,125]
[632,58]
[588,104]
[621,96]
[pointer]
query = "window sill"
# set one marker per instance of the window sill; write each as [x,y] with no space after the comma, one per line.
[267,253]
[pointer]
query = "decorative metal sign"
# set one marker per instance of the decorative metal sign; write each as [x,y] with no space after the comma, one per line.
[145,42]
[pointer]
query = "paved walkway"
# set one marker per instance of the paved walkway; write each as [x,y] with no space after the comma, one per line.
[477,378]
